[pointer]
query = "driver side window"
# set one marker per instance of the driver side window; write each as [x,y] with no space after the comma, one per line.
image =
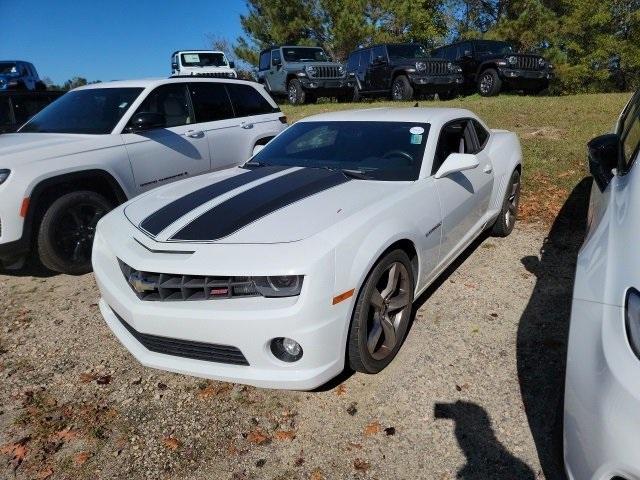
[455,137]
[171,101]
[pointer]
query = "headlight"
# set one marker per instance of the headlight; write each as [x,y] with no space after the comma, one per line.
[4,174]
[421,66]
[541,62]
[341,70]
[512,60]
[279,286]
[310,69]
[632,314]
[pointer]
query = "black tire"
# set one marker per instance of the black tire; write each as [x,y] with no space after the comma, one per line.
[489,83]
[366,319]
[509,212]
[295,93]
[401,89]
[65,235]
[357,96]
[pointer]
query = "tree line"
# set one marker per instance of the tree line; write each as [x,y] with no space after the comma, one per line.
[593,44]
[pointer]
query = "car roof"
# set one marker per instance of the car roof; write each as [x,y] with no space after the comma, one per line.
[383,114]
[154,82]
[196,50]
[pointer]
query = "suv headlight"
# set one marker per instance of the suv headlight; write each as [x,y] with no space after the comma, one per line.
[512,60]
[632,319]
[541,62]
[341,70]
[4,174]
[421,66]
[310,69]
[279,286]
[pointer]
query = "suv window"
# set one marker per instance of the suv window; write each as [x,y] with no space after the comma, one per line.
[171,100]
[210,102]
[5,112]
[631,136]
[481,134]
[275,57]
[247,101]
[378,52]
[265,60]
[455,137]
[354,61]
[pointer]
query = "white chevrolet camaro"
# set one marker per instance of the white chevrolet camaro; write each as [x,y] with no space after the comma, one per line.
[602,392]
[307,258]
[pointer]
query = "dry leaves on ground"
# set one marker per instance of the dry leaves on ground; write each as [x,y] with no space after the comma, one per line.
[285,435]
[81,458]
[258,436]
[17,451]
[372,429]
[361,465]
[171,443]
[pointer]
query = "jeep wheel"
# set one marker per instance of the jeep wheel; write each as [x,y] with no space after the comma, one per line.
[489,83]
[357,96]
[295,92]
[401,89]
[65,237]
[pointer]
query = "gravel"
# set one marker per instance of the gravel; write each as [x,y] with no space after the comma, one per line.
[473,393]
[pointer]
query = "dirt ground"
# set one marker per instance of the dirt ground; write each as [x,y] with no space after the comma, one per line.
[474,392]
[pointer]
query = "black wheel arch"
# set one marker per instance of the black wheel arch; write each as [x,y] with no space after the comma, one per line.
[485,66]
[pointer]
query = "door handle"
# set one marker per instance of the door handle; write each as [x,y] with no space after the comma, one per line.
[246,125]
[195,133]
[487,169]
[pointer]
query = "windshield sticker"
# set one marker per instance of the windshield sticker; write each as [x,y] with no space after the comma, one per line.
[416,130]
[123,105]
[191,57]
[416,139]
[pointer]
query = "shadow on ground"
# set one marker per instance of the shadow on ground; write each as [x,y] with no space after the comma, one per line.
[544,329]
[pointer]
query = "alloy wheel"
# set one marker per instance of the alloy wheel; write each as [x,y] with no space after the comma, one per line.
[486,83]
[293,94]
[512,203]
[389,309]
[75,230]
[398,91]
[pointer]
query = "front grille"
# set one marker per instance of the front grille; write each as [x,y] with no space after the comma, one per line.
[437,67]
[168,287]
[326,71]
[528,62]
[215,75]
[209,352]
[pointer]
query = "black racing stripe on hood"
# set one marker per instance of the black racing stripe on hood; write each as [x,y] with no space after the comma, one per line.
[162,218]
[248,206]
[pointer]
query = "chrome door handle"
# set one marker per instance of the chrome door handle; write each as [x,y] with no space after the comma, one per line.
[246,125]
[195,133]
[487,169]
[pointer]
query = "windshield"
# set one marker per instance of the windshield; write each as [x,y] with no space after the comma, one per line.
[8,68]
[304,54]
[94,111]
[407,52]
[367,150]
[204,59]
[493,48]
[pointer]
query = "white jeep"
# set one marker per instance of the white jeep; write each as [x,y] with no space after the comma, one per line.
[203,63]
[99,145]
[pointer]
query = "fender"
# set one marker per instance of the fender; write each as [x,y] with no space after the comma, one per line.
[483,66]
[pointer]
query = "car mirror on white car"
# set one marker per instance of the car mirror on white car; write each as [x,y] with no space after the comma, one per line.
[604,156]
[145,121]
[457,162]
[257,149]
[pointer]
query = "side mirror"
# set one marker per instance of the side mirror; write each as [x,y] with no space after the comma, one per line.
[604,153]
[257,149]
[232,64]
[144,121]
[457,162]
[276,62]
[174,66]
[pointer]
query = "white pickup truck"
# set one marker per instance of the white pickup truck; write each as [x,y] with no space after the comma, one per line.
[99,145]
[202,63]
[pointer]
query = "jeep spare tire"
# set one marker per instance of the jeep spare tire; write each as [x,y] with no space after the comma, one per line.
[65,236]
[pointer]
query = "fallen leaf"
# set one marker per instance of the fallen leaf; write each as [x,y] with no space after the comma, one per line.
[351,409]
[316,475]
[171,443]
[45,473]
[80,458]
[390,431]
[212,389]
[66,434]
[360,464]
[258,436]
[103,380]
[341,390]
[87,377]
[353,445]
[17,450]
[372,429]
[285,435]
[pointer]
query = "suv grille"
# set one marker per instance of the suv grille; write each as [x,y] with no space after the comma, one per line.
[437,67]
[209,352]
[325,71]
[168,287]
[214,75]
[528,62]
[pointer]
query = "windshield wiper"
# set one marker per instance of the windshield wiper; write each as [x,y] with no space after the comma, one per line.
[359,174]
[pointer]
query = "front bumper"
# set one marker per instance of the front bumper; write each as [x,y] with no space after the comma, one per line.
[602,396]
[515,76]
[327,86]
[248,324]
[436,82]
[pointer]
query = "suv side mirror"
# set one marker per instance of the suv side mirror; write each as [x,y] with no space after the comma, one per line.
[380,59]
[467,54]
[457,162]
[232,64]
[604,153]
[174,66]
[145,121]
[276,62]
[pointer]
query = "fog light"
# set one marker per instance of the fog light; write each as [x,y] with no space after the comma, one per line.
[286,349]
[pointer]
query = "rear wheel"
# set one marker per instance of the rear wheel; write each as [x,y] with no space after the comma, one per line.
[382,314]
[295,92]
[357,96]
[65,237]
[401,89]
[489,83]
[509,212]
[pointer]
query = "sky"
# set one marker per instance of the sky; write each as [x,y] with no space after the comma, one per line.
[113,39]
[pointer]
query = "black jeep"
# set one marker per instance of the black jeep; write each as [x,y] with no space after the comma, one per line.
[491,66]
[403,70]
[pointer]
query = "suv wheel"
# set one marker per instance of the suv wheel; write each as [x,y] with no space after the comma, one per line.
[65,237]
[509,212]
[357,96]
[489,83]
[382,314]
[295,92]
[401,89]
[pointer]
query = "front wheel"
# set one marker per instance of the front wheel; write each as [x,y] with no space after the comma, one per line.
[401,89]
[489,83]
[295,92]
[509,212]
[65,237]
[382,314]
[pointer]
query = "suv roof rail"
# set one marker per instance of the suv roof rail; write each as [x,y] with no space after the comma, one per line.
[211,77]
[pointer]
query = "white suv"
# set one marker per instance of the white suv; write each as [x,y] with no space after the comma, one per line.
[203,63]
[99,145]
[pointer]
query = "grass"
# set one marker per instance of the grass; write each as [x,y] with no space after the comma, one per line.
[553,132]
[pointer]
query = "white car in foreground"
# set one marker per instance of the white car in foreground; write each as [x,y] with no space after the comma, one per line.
[276,273]
[602,392]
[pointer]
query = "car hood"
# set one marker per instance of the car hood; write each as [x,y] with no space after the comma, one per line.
[20,148]
[264,205]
